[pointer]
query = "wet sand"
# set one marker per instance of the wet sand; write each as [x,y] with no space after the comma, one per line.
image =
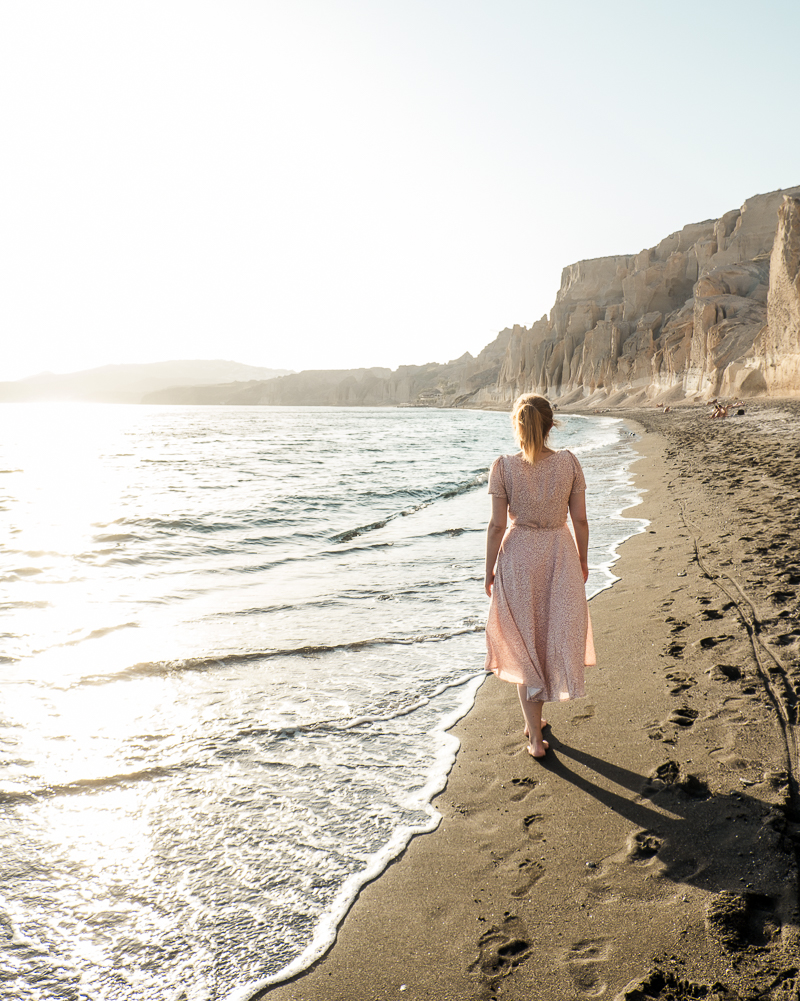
[653,853]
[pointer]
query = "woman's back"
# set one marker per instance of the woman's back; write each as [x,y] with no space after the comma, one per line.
[538,493]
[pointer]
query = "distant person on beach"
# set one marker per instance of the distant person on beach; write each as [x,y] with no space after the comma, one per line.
[538,634]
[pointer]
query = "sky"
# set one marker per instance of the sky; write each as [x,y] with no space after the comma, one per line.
[344,183]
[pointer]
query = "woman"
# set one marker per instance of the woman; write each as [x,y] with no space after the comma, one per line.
[538,634]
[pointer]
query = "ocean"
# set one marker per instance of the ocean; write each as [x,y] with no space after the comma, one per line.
[233,642]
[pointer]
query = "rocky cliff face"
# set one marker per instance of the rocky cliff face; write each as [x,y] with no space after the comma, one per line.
[780,345]
[712,310]
[452,384]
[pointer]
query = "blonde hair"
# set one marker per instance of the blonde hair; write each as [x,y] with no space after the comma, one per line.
[532,418]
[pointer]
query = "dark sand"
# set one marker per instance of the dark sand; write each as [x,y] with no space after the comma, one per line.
[657,843]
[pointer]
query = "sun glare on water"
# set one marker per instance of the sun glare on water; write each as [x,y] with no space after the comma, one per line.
[68,481]
[59,452]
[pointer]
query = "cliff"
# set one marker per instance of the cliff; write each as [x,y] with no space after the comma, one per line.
[780,346]
[711,310]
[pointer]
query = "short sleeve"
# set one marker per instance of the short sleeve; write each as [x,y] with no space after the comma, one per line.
[496,485]
[579,480]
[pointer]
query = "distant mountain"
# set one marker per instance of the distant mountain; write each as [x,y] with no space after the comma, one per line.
[225,394]
[131,383]
[454,383]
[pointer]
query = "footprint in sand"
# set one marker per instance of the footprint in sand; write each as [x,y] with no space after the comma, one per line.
[677,627]
[668,772]
[643,845]
[683,717]
[728,672]
[501,949]
[669,776]
[530,872]
[662,777]
[681,682]
[584,959]
[582,717]
[523,786]
[530,823]
[709,642]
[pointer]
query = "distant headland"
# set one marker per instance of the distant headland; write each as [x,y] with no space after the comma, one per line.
[133,383]
[712,310]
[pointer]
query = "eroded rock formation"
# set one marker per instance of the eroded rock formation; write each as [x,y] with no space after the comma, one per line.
[781,339]
[712,310]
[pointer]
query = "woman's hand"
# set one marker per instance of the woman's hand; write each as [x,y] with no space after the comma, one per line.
[488,583]
[585,569]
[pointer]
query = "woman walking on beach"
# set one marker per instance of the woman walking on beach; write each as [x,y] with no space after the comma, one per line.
[538,634]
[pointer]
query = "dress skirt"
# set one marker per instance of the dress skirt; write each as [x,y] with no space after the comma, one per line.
[538,631]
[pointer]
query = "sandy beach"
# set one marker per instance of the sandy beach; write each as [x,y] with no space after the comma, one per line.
[653,854]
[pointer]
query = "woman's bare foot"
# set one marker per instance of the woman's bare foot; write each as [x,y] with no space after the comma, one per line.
[532,711]
[536,752]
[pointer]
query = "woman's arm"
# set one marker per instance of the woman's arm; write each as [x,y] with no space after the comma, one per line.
[494,536]
[577,511]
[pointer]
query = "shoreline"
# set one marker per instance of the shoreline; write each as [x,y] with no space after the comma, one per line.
[668,796]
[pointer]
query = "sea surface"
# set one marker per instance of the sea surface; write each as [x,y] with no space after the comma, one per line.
[232,643]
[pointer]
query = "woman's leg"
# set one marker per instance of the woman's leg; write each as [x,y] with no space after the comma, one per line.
[532,711]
